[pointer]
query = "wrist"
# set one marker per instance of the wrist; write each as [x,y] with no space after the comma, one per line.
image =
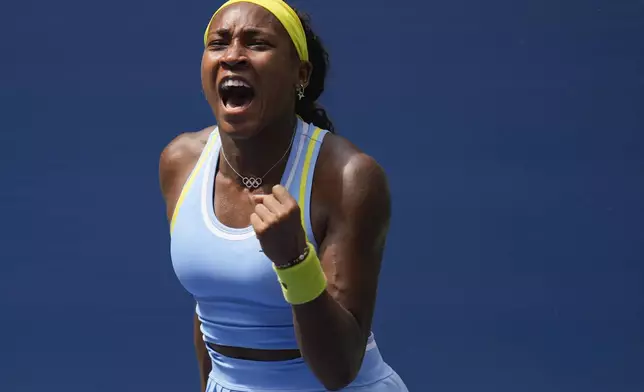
[304,281]
[295,261]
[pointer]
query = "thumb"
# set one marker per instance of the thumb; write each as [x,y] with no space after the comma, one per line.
[256,199]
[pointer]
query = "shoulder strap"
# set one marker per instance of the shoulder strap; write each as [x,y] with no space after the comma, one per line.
[306,180]
[193,174]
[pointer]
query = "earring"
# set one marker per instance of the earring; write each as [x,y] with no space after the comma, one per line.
[300,92]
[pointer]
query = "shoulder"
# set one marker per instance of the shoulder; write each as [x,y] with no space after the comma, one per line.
[184,147]
[180,155]
[356,181]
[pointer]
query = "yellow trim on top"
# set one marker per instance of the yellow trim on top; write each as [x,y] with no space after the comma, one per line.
[306,168]
[186,187]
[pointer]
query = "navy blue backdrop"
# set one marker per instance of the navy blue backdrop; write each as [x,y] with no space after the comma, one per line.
[512,133]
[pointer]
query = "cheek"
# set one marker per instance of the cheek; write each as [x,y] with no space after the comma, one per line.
[279,85]
[207,69]
[275,69]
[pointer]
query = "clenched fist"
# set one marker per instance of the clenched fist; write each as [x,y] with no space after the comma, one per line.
[278,227]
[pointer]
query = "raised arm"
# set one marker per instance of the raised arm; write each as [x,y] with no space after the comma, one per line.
[332,326]
[333,329]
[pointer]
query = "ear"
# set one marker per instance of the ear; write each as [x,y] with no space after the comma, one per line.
[304,74]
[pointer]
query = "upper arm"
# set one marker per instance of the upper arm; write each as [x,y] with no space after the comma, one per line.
[351,252]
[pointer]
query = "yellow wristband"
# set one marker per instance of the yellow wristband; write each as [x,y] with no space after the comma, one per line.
[302,282]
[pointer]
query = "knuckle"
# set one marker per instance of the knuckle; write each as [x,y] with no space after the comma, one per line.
[260,230]
[293,207]
[269,219]
[275,219]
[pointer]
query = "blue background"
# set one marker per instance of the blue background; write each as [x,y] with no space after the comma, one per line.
[512,133]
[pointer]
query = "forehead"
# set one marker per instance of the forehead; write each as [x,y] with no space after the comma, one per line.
[242,16]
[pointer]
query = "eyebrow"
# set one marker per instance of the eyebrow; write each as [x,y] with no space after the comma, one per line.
[246,31]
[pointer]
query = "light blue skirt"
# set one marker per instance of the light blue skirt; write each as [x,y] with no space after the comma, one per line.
[238,375]
[393,383]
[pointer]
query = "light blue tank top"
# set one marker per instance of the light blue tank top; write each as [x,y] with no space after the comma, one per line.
[239,300]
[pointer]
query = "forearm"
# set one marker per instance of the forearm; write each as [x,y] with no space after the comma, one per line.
[203,360]
[330,339]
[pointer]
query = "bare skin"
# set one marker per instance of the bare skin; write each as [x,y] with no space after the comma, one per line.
[350,202]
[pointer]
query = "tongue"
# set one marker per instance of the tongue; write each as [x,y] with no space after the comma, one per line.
[237,101]
[238,97]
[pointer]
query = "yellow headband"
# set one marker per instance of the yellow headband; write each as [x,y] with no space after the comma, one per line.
[285,14]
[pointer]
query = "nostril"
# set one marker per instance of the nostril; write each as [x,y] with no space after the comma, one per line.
[234,63]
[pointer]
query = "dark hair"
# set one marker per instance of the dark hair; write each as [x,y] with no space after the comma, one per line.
[307,107]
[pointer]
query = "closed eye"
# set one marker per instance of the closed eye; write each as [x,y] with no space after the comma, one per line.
[259,45]
[217,44]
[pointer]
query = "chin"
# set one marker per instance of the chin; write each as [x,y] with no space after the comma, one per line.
[238,127]
[241,122]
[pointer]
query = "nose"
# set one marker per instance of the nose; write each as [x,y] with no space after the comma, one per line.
[234,57]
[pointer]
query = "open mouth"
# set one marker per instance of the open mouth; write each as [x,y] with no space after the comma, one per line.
[235,92]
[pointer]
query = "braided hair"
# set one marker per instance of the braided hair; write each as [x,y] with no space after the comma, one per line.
[307,107]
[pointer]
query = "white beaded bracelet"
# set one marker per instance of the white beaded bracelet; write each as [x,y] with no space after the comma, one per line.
[295,261]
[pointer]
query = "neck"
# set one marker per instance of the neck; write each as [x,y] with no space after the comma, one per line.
[256,155]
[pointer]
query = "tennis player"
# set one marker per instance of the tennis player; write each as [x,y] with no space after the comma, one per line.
[277,224]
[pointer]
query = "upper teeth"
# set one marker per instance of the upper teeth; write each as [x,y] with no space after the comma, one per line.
[235,82]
